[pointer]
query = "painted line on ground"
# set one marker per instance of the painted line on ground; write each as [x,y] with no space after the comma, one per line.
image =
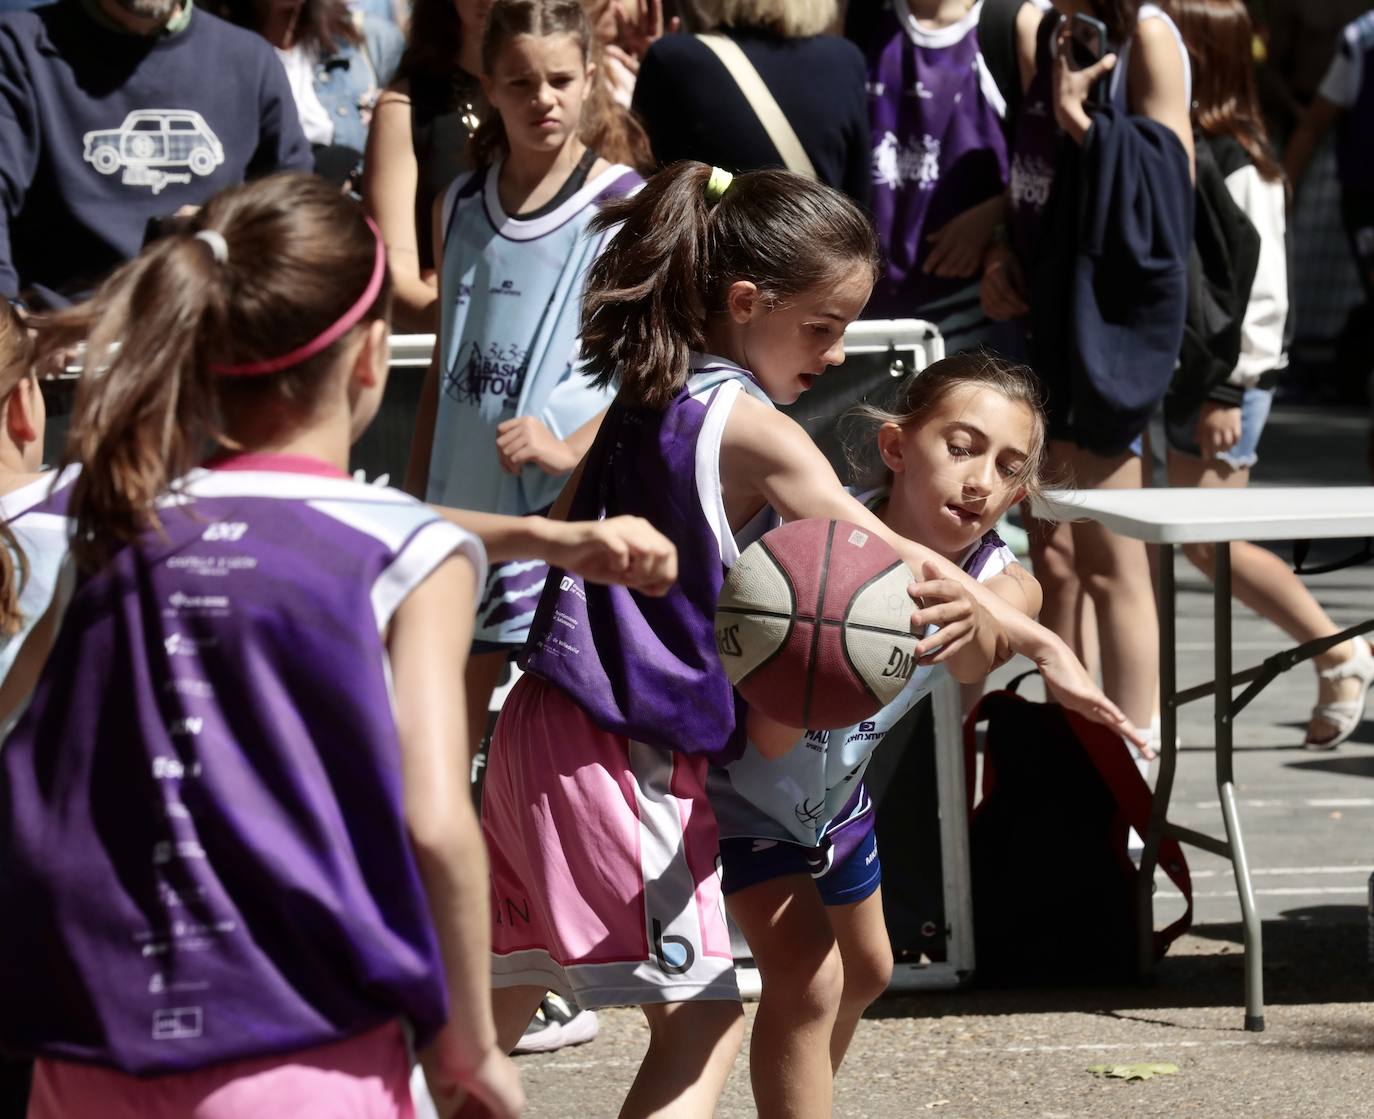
[1313,802]
[1273,892]
[1278,870]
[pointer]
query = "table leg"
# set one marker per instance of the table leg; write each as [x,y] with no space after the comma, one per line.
[1168,760]
[1226,790]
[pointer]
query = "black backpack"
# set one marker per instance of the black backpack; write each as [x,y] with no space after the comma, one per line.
[1053,885]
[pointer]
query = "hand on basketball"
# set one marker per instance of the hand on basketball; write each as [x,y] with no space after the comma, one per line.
[947,605]
[1069,684]
[524,440]
[627,551]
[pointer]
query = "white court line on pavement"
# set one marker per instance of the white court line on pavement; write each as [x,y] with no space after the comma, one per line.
[1356,869]
[1273,892]
[1315,802]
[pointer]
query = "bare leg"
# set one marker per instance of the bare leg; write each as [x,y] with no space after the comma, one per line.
[1051,556]
[790,936]
[1116,574]
[483,671]
[1268,586]
[867,956]
[691,1048]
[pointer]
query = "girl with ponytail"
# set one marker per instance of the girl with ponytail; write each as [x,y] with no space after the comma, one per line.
[716,299]
[234,812]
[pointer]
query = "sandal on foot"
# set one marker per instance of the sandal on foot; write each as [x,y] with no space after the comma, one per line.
[1347,714]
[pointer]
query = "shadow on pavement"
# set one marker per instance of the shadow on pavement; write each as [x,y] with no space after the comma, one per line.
[1347,765]
[1314,955]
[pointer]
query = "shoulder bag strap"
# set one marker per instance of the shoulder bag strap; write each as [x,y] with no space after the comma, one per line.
[765,106]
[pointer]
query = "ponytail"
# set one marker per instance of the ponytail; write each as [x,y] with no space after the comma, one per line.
[185,343]
[14,573]
[667,269]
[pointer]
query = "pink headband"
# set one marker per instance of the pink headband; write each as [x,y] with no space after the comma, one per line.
[328,336]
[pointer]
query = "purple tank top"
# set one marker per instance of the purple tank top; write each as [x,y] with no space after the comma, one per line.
[201,828]
[938,146]
[647,668]
[1035,149]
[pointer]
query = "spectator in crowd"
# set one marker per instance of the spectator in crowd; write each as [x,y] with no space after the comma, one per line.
[1101,222]
[418,145]
[337,62]
[1217,444]
[939,160]
[115,113]
[625,30]
[694,106]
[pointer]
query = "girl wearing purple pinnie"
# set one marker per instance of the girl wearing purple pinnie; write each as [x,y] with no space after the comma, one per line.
[242,871]
[717,299]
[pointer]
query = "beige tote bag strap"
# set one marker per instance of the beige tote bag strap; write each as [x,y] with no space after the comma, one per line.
[763,103]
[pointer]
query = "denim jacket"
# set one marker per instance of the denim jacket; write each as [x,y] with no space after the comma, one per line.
[349,81]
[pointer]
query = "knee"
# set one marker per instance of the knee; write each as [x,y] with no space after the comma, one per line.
[1053,564]
[867,976]
[710,1026]
[807,987]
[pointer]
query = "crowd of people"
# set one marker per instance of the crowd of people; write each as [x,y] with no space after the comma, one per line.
[240,689]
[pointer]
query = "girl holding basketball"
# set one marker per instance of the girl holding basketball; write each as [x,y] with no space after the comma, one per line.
[716,299]
[800,863]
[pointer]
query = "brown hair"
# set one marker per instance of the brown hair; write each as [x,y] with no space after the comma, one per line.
[605,127]
[792,19]
[149,406]
[922,393]
[1119,16]
[433,41]
[16,364]
[1219,37]
[650,292]
[322,25]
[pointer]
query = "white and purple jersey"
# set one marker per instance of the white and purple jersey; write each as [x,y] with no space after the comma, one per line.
[938,146]
[201,826]
[816,788]
[508,347]
[647,668]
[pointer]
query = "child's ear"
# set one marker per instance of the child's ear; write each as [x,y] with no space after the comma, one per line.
[21,419]
[371,362]
[742,301]
[890,447]
[1021,494]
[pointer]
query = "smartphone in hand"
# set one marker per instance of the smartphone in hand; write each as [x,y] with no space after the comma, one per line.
[1087,45]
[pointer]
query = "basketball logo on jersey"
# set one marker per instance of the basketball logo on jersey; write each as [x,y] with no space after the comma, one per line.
[499,372]
[896,164]
[1030,181]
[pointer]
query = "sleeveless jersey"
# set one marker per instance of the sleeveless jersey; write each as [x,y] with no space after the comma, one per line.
[508,336]
[36,514]
[816,787]
[938,146]
[647,668]
[201,823]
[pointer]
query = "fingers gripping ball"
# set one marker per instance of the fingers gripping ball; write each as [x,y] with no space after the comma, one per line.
[813,624]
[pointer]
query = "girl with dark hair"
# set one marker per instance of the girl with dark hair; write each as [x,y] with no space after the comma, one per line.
[799,859]
[716,299]
[337,65]
[1100,203]
[234,810]
[506,411]
[1216,444]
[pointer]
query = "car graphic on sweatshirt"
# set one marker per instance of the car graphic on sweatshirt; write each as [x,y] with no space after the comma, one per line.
[150,142]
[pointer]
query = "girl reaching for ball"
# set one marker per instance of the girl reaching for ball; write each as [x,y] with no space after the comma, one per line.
[800,864]
[716,299]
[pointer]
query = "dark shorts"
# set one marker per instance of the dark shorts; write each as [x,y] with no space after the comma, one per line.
[846,869]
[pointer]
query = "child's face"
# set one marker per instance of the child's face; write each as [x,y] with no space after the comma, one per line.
[789,345]
[537,85]
[953,473]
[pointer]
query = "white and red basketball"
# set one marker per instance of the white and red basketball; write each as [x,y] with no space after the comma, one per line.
[813,624]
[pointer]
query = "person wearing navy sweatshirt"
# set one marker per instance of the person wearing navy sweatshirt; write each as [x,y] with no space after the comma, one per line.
[117,112]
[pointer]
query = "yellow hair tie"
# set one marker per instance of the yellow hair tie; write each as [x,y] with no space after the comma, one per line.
[718,184]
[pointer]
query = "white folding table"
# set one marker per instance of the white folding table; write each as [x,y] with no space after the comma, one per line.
[1170,517]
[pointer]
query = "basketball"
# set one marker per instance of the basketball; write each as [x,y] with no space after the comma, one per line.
[813,624]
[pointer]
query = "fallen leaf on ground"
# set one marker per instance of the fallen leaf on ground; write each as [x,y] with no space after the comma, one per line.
[1144,1071]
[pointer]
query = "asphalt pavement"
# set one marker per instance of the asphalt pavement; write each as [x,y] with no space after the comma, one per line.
[1308,822]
